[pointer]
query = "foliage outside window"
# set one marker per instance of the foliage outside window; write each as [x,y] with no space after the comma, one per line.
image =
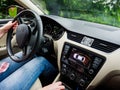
[100,11]
[3,8]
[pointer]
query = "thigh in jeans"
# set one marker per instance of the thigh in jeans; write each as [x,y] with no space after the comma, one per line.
[13,66]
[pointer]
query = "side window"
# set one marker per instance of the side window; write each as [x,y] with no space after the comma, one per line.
[4,5]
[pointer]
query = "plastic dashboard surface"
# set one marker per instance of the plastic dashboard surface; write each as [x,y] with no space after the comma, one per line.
[89,44]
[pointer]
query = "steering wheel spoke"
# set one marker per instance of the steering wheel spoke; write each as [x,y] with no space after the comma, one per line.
[26,50]
[33,26]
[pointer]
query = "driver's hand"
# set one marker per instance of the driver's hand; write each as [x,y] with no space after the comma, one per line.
[9,25]
[4,29]
[54,86]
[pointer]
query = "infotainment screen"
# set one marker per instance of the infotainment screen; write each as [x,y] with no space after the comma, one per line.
[79,57]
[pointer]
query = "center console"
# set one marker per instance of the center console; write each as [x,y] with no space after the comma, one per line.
[79,67]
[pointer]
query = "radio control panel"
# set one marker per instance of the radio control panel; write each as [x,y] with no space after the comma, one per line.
[79,66]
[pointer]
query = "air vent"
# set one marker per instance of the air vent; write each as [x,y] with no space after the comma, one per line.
[97,43]
[75,37]
[104,46]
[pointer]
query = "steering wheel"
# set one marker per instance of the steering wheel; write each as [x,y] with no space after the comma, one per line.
[29,35]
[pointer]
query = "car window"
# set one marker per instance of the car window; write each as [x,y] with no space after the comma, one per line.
[98,11]
[4,4]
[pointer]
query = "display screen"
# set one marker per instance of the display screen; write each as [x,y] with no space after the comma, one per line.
[78,56]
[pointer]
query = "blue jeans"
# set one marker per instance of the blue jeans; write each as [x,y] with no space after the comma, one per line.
[26,74]
[13,66]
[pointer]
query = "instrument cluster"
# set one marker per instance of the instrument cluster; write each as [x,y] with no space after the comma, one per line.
[53,29]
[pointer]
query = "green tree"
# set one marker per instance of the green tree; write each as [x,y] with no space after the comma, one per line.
[3,7]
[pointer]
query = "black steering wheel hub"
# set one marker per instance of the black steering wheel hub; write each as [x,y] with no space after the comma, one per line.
[22,35]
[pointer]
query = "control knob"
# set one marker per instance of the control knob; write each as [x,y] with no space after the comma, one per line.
[82,82]
[72,76]
[64,71]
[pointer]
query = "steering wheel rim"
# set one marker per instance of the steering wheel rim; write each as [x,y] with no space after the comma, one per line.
[35,34]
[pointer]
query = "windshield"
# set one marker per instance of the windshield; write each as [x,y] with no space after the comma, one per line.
[98,11]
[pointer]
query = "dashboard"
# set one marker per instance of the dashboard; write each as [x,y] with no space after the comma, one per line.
[87,53]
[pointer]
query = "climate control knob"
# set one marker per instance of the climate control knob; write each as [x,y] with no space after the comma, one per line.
[82,82]
[72,76]
[64,71]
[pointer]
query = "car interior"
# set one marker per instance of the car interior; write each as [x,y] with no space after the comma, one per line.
[86,54]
